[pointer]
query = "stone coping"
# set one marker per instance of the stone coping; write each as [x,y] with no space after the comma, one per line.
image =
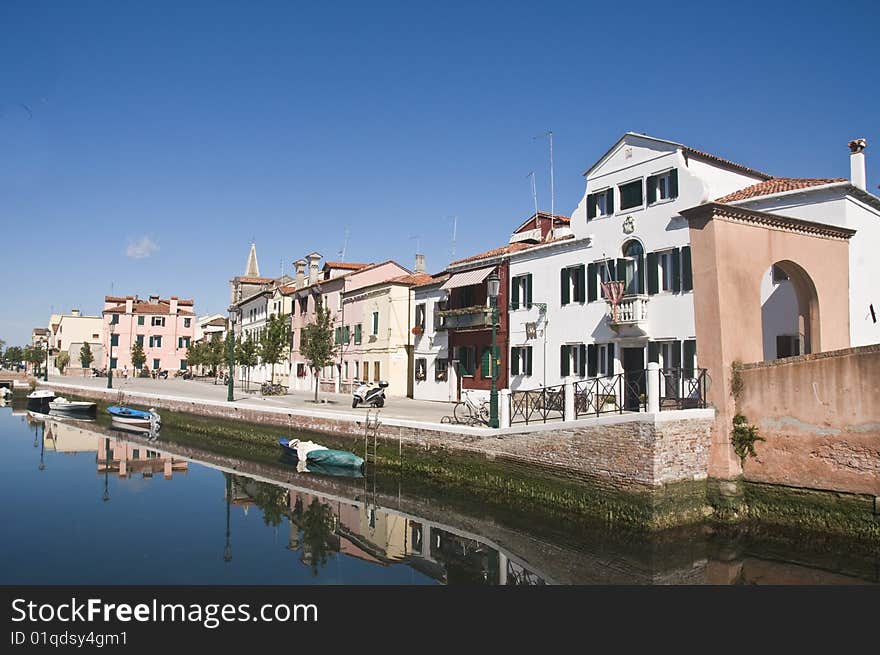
[843,352]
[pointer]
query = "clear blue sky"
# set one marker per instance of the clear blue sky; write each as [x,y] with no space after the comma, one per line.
[202,127]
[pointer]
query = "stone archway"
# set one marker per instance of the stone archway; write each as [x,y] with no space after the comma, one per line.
[731,248]
[790,320]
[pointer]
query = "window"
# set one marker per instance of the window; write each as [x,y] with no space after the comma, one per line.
[467,361]
[140,340]
[420,315]
[338,336]
[521,291]
[600,360]
[96,336]
[112,362]
[787,345]
[670,270]
[357,333]
[600,204]
[366,370]
[663,186]
[521,360]
[303,305]
[440,368]
[155,342]
[630,269]
[376,369]
[114,339]
[439,320]
[114,319]
[573,360]
[421,368]
[488,363]
[573,280]
[158,321]
[182,342]
[466,296]
[140,320]
[187,322]
[630,195]
[779,275]
[155,364]
[375,323]
[182,364]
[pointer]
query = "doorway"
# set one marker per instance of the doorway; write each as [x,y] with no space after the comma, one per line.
[634,386]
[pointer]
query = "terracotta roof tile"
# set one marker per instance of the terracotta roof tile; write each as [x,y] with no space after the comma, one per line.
[415,279]
[146,308]
[726,162]
[255,280]
[347,265]
[778,185]
[495,252]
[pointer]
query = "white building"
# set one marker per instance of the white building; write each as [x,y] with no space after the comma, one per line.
[70,332]
[627,227]
[431,355]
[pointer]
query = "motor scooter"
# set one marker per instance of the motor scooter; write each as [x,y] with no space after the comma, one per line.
[364,394]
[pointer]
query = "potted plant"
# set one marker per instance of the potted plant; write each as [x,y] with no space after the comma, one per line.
[417,330]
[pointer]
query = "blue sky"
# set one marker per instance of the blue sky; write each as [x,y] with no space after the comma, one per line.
[176,134]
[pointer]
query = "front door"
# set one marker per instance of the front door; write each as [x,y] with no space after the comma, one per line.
[633,378]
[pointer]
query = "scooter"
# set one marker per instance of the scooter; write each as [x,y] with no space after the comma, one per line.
[364,394]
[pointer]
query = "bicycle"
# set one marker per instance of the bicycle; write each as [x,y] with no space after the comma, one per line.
[269,389]
[468,412]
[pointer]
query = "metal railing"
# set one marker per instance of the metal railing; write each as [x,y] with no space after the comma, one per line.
[683,388]
[612,394]
[544,404]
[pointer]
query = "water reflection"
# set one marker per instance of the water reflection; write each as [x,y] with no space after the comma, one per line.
[328,524]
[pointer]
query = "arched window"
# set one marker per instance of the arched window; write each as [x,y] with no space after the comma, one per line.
[631,268]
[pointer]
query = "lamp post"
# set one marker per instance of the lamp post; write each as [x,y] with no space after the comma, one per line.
[231,336]
[106,495]
[46,369]
[227,551]
[493,286]
[110,356]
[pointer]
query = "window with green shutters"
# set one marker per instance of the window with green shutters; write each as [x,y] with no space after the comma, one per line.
[521,291]
[662,186]
[600,203]
[375,323]
[114,339]
[338,336]
[521,360]
[466,361]
[486,361]
[155,364]
[346,334]
[114,319]
[573,282]
[112,362]
[140,340]
[631,195]
[687,276]
[140,320]
[182,364]
[357,334]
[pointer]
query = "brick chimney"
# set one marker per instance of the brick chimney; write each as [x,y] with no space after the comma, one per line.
[173,305]
[129,304]
[314,266]
[300,265]
[857,163]
[420,264]
[74,312]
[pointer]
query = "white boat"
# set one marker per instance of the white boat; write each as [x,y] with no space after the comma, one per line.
[72,407]
[40,394]
[5,392]
[39,400]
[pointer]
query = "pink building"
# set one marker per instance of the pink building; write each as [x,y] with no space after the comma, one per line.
[164,328]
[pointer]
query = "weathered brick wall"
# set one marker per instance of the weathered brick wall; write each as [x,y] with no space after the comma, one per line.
[624,453]
[820,418]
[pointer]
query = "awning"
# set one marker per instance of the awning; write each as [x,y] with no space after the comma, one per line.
[467,278]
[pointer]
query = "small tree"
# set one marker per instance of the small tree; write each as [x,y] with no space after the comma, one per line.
[274,341]
[138,358]
[86,357]
[62,359]
[195,355]
[35,355]
[246,355]
[215,354]
[317,344]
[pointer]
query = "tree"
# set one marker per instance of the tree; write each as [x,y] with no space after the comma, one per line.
[216,353]
[275,341]
[13,356]
[195,354]
[246,355]
[138,358]
[35,355]
[62,359]
[317,344]
[85,356]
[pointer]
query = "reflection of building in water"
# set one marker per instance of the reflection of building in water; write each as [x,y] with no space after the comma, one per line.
[126,459]
[68,438]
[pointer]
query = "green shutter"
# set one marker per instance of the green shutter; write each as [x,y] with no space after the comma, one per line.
[346,334]
[654,352]
[676,270]
[690,353]
[485,363]
[610,350]
[375,322]
[582,360]
[591,206]
[514,292]
[592,360]
[651,187]
[653,277]
[514,361]
[612,269]
[592,283]
[581,283]
[357,333]
[529,291]
[565,281]
[673,183]
[676,354]
[640,274]
[564,361]
[528,360]
[621,271]
[338,336]
[609,200]
[687,277]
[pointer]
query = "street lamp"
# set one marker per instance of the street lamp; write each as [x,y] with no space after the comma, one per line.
[230,332]
[46,370]
[110,356]
[106,495]
[227,552]
[493,286]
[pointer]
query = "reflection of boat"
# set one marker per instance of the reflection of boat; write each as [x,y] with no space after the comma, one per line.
[66,407]
[321,456]
[39,400]
[5,392]
[37,416]
[127,416]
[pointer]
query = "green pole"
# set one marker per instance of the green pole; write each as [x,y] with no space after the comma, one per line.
[110,359]
[46,370]
[493,394]
[231,337]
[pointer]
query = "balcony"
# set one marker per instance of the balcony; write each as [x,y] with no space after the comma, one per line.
[631,316]
[467,318]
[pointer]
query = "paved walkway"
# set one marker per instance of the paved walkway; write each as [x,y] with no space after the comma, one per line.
[402,408]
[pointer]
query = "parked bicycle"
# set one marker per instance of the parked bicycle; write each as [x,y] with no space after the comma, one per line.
[471,412]
[269,389]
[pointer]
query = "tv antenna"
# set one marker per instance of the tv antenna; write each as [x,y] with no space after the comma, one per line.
[535,197]
[344,247]
[454,232]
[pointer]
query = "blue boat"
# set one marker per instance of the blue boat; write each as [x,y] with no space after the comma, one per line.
[128,416]
[319,455]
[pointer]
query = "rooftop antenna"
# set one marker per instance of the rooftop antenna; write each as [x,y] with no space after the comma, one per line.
[418,239]
[549,133]
[454,231]
[344,247]
[535,196]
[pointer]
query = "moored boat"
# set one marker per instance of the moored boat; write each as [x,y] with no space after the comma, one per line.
[134,418]
[39,399]
[72,407]
[314,453]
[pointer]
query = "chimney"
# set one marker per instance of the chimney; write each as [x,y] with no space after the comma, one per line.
[173,308]
[314,260]
[420,264]
[129,304]
[74,312]
[300,265]
[154,300]
[857,163]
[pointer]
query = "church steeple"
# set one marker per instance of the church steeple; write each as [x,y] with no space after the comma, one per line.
[253,268]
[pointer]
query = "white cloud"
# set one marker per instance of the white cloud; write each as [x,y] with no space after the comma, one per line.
[142,248]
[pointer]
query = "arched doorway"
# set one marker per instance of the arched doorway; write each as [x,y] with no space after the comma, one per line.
[789,311]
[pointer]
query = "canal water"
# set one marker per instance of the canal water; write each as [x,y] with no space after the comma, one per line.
[88,504]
